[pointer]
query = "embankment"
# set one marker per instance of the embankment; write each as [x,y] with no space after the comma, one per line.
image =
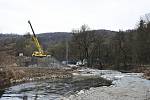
[13,75]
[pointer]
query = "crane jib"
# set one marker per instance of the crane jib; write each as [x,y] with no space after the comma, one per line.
[31,28]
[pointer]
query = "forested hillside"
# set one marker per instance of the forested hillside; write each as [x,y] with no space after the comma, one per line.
[101,48]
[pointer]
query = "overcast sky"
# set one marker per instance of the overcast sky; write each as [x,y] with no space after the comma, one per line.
[64,15]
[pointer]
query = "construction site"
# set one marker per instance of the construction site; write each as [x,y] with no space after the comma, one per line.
[53,58]
[39,75]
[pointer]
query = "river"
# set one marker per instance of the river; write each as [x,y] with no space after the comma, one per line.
[52,89]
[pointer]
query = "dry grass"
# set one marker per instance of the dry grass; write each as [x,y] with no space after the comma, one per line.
[147,73]
[145,70]
[15,74]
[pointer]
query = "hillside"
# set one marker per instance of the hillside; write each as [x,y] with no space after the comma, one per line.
[56,37]
[49,39]
[52,37]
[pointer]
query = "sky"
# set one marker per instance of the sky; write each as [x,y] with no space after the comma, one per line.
[66,15]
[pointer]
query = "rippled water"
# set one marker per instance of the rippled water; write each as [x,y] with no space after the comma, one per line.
[50,89]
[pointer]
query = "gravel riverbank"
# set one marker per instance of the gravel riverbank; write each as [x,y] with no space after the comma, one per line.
[126,86]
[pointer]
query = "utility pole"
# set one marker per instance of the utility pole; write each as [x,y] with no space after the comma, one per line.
[67,50]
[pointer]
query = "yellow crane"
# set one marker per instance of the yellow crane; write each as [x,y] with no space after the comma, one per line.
[40,52]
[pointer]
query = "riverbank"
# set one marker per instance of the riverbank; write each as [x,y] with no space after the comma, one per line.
[15,75]
[144,70]
[126,86]
[52,89]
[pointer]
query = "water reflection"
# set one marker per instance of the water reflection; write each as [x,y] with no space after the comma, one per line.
[50,89]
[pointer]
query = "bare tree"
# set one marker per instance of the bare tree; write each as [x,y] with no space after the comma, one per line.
[83,39]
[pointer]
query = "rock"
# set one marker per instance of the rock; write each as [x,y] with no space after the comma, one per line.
[75,74]
[81,92]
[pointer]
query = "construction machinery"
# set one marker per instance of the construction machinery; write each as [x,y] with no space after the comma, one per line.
[39,52]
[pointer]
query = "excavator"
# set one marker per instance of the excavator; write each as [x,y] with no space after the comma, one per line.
[40,52]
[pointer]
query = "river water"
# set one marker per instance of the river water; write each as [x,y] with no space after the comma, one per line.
[53,89]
